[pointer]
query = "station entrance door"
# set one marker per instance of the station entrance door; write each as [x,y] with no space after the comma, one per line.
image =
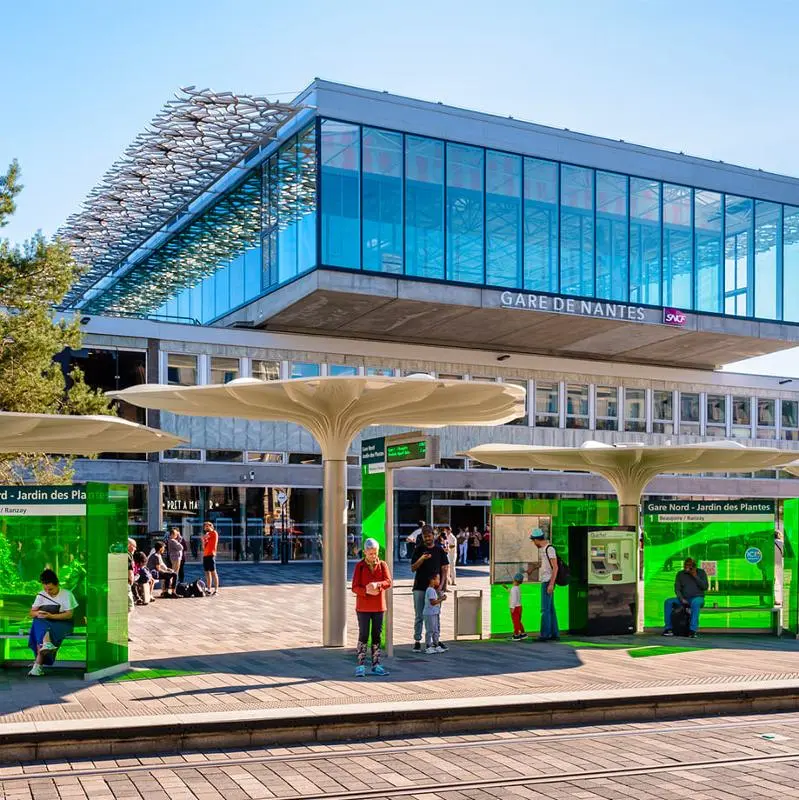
[461,513]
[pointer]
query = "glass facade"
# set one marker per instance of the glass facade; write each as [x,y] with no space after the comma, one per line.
[403,204]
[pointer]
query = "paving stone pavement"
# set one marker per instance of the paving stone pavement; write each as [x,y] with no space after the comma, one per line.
[256,647]
[702,759]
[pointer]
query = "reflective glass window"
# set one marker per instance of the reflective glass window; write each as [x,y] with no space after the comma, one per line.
[766,418]
[768,238]
[708,227]
[237,281]
[465,213]
[209,298]
[380,371]
[181,369]
[738,254]
[287,212]
[265,370]
[424,207]
[635,410]
[742,417]
[525,420]
[663,411]
[540,225]
[790,268]
[576,406]
[341,369]
[677,247]
[305,199]
[269,213]
[341,236]
[547,405]
[790,419]
[252,273]
[577,231]
[644,241]
[689,413]
[503,220]
[382,200]
[222,290]
[607,408]
[303,369]
[612,279]
[716,416]
[224,370]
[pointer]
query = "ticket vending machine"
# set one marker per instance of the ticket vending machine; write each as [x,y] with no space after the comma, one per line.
[602,592]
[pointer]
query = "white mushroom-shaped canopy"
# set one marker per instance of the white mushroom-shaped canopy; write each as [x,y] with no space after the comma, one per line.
[79,435]
[629,467]
[336,409]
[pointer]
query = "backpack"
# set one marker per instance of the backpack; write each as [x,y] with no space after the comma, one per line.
[198,589]
[564,573]
[182,589]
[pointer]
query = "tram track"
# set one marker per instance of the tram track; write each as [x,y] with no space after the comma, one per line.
[536,780]
[427,746]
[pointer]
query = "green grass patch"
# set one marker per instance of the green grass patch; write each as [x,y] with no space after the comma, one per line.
[662,650]
[151,674]
[599,645]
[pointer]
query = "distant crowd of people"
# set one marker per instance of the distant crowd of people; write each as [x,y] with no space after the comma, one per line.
[166,563]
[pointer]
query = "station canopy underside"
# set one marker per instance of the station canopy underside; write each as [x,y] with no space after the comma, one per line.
[331,303]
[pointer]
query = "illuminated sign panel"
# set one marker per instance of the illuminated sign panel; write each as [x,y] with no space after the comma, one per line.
[409,451]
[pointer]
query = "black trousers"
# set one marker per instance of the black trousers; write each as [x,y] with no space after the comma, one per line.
[168,580]
[370,622]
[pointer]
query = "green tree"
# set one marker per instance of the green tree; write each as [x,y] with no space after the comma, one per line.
[34,277]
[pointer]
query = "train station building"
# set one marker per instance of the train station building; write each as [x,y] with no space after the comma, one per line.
[357,232]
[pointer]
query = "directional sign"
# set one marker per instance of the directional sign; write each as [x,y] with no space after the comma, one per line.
[282,497]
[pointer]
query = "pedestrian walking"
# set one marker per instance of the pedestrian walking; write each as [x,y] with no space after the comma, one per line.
[370,581]
[547,574]
[463,547]
[210,544]
[516,607]
[432,617]
[452,554]
[174,549]
[426,561]
[413,539]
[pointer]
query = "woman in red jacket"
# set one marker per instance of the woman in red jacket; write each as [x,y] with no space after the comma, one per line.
[369,583]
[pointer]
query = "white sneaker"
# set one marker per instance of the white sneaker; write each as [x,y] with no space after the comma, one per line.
[432,651]
[36,671]
[440,649]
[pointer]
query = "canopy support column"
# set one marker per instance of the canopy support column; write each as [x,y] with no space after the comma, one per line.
[334,550]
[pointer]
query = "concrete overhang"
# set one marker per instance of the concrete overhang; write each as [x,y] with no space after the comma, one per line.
[381,307]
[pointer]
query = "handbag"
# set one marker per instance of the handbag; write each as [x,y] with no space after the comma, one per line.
[50,608]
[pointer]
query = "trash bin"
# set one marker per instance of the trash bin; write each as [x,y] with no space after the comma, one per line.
[469,613]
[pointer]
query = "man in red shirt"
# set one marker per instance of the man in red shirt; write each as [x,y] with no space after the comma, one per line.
[210,543]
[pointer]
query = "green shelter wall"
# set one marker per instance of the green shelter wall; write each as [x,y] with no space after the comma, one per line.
[564,513]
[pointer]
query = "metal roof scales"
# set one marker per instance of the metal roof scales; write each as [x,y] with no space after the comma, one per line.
[192,142]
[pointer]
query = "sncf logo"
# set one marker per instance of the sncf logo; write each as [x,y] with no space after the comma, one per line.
[673,316]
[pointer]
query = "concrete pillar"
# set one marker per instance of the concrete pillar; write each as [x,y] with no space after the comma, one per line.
[628,515]
[334,551]
[155,514]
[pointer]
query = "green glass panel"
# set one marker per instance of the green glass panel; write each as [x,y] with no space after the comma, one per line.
[564,513]
[790,565]
[736,582]
[107,601]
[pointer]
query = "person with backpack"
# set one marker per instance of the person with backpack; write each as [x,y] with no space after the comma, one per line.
[370,581]
[690,586]
[547,577]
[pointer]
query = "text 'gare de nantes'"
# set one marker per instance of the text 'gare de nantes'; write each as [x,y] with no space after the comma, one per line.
[353,232]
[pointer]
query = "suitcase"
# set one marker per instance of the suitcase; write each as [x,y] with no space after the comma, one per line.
[680,620]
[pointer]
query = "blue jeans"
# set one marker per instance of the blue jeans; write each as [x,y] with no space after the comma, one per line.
[418,609]
[696,606]
[549,619]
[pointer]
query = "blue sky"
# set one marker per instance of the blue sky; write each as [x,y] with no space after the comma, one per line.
[710,78]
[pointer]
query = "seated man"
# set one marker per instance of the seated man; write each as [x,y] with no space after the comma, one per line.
[690,586]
